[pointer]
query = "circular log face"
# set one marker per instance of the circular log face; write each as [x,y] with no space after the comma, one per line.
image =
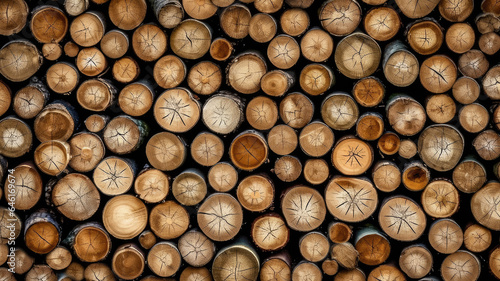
[127,14]
[123,134]
[315,79]
[456,10]
[382,23]
[339,111]
[87,29]
[314,246]
[149,42]
[406,116]
[176,110]
[220,217]
[262,28]
[87,150]
[41,237]
[418,9]
[373,248]
[92,244]
[477,238]
[125,70]
[283,51]
[351,199]
[469,176]
[189,188]
[352,156]
[235,21]
[368,91]
[125,216]
[316,45]
[114,44]
[52,157]
[62,78]
[244,73]
[441,147]
[195,248]
[460,266]
[296,110]
[438,74]
[270,233]
[275,269]
[222,177]
[305,271]
[494,263]
[440,199]
[304,208]
[16,137]
[340,17]
[294,22]
[165,151]
[169,220]
[401,68]
[207,149]
[151,185]
[255,193]
[169,71]
[237,261]
[262,113]
[49,24]
[357,55]
[164,259]
[135,99]
[95,94]
[288,168]
[19,60]
[114,176]
[282,139]
[485,206]
[222,113]
[204,78]
[425,37]
[416,261]
[16,12]
[386,176]
[5,232]
[316,139]
[402,219]
[316,171]
[128,262]
[248,151]
[190,39]
[466,90]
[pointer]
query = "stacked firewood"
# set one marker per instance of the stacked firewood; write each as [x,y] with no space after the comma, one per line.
[252,140]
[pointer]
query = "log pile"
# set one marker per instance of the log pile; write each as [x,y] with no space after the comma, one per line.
[253,140]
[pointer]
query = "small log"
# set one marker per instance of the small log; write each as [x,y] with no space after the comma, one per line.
[460,37]
[456,10]
[166,151]
[147,239]
[368,91]
[48,24]
[245,71]
[189,187]
[91,61]
[169,71]
[204,78]
[466,90]
[287,168]
[269,232]
[127,15]
[125,70]
[18,137]
[75,7]
[220,217]
[276,267]
[489,43]
[195,248]
[12,68]
[136,99]
[316,139]
[283,51]
[416,261]
[306,271]
[23,261]
[98,271]
[339,111]
[340,17]
[164,259]
[124,134]
[339,232]
[315,79]
[263,27]
[235,21]
[487,23]
[194,273]
[483,202]
[76,197]
[248,150]
[316,171]
[124,216]
[221,49]
[71,49]
[114,175]
[402,219]
[444,139]
[351,199]
[373,247]
[176,110]
[268,6]
[469,175]
[386,271]
[282,139]
[477,238]
[493,262]
[445,236]
[63,77]
[199,10]
[303,208]
[255,192]
[40,271]
[96,123]
[386,176]
[114,44]
[238,255]
[87,29]
[149,42]
[7,220]
[405,115]
[294,22]
[90,242]
[197,43]
[416,9]
[352,156]
[345,255]
[52,51]
[473,64]
[207,149]
[440,108]
[223,113]
[56,121]
[96,94]
[316,45]
[52,157]
[314,246]
[382,23]
[370,126]
[415,176]
[59,258]
[490,88]
[28,186]
[330,267]
[169,13]
[440,199]
[407,149]
[75,271]
[128,261]
[41,232]
[261,113]
[18,16]
[486,144]
[87,150]
[455,264]
[438,74]
[357,55]
[400,66]
[222,177]
[350,274]
[473,117]
[425,36]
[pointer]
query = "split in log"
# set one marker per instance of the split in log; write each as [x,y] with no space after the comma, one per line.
[14,69]
[168,220]
[52,157]
[446,236]
[294,22]
[486,144]
[114,44]
[90,242]
[204,78]
[469,175]
[340,17]
[176,110]
[288,168]
[345,255]
[316,171]
[40,270]
[314,246]
[263,27]
[189,187]
[149,42]
[87,29]
[98,271]
[339,111]
[245,72]
[400,66]
[169,71]
[261,113]
[440,147]
[164,259]
[461,266]
[114,175]
[276,268]
[195,248]
[357,55]
[235,21]
[368,91]
[416,261]
[125,70]
[315,79]
[136,99]
[207,149]
[473,64]
[402,219]
[269,232]
[48,24]
[466,90]
[386,176]
[222,177]
[248,150]
[96,94]
[477,238]
[425,36]
[220,217]
[438,74]
[352,156]
[41,232]
[382,23]
[303,208]
[283,51]
[191,38]
[440,199]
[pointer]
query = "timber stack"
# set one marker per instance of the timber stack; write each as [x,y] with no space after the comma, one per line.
[345,140]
